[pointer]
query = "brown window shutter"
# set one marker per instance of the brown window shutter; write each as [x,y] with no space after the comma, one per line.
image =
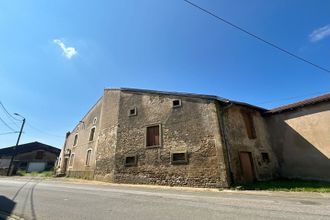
[249,125]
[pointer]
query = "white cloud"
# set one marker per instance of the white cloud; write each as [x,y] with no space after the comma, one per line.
[320,33]
[68,52]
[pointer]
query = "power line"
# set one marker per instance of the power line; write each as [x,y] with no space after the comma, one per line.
[44,132]
[13,132]
[259,38]
[10,128]
[11,118]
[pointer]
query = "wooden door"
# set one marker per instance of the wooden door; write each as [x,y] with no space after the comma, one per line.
[247,166]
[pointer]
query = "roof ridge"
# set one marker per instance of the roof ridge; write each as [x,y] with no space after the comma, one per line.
[301,103]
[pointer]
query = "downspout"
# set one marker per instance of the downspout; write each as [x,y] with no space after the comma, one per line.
[225,141]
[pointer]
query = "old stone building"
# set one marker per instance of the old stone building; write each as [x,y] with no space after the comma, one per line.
[153,137]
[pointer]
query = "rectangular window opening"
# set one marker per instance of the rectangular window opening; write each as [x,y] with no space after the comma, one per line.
[91,134]
[88,157]
[249,124]
[75,140]
[265,157]
[153,137]
[130,161]
[132,112]
[71,160]
[179,158]
[177,103]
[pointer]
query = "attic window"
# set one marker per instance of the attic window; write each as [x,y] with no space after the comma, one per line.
[179,158]
[265,157]
[176,103]
[132,112]
[130,161]
[94,121]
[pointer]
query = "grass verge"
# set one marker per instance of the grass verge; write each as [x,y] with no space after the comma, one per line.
[42,174]
[288,185]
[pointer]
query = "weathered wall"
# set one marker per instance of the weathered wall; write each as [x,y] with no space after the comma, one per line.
[107,136]
[238,140]
[193,128]
[83,128]
[301,140]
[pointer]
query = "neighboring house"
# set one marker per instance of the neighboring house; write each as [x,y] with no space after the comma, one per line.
[31,157]
[169,138]
[300,135]
[143,136]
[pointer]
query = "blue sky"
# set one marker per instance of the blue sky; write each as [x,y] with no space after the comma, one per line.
[56,57]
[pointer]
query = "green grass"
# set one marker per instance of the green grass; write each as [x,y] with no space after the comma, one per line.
[42,174]
[288,185]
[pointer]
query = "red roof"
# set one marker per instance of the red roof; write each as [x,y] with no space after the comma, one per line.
[311,101]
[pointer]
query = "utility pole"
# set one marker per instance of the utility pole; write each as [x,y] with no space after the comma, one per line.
[14,148]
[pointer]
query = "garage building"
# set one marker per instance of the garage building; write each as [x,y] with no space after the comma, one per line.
[30,157]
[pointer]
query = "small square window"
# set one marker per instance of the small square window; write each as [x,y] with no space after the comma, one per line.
[176,103]
[132,112]
[130,161]
[265,157]
[179,158]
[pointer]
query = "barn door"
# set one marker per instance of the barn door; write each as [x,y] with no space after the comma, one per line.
[247,166]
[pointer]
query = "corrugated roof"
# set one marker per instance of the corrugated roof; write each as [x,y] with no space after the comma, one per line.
[311,101]
[28,147]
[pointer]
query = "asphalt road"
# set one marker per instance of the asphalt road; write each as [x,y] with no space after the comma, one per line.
[37,198]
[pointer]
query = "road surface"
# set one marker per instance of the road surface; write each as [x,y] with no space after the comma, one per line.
[38,198]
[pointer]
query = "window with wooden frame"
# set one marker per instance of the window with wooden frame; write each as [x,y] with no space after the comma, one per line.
[179,157]
[130,160]
[88,157]
[39,155]
[153,136]
[249,124]
[75,140]
[71,160]
[91,134]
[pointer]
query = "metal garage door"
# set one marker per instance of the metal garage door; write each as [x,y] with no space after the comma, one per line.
[36,166]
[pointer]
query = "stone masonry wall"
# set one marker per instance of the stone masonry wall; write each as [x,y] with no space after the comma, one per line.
[191,128]
[107,142]
[238,140]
